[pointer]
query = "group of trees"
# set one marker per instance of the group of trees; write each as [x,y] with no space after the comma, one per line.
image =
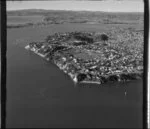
[58,47]
[84,38]
[81,77]
[102,37]
[79,36]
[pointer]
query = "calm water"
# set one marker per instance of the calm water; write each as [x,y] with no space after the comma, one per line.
[40,95]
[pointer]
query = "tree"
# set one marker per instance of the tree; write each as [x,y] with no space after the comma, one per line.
[81,77]
[104,37]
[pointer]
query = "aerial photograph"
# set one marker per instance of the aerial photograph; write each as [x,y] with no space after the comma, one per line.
[75,64]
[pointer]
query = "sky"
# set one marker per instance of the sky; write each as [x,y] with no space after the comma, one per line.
[104,5]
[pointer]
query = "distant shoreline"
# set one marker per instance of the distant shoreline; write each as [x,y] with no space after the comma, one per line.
[42,24]
[71,16]
[69,10]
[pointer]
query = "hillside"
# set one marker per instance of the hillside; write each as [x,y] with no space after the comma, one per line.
[61,16]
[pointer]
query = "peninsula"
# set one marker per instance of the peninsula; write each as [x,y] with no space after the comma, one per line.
[92,57]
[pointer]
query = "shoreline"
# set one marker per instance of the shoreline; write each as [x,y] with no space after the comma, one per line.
[88,23]
[74,76]
[35,51]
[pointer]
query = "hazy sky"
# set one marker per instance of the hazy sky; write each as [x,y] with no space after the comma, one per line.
[105,5]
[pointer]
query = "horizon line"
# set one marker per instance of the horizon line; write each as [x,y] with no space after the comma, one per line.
[75,10]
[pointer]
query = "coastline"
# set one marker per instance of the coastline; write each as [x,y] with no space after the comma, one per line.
[72,76]
[121,77]
[35,51]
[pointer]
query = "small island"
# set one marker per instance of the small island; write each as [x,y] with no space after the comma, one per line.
[94,57]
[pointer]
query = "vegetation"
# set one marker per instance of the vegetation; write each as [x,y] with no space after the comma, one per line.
[104,37]
[81,77]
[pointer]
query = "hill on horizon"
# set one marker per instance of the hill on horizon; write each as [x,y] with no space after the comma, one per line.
[70,16]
